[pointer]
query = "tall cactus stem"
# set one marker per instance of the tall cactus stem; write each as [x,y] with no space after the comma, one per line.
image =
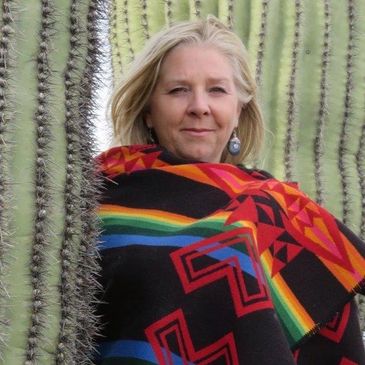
[344,136]
[322,111]
[144,19]
[87,263]
[114,38]
[5,63]
[42,187]
[66,349]
[290,140]
[262,37]
[127,30]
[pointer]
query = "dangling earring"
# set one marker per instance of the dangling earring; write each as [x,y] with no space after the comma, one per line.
[150,136]
[234,144]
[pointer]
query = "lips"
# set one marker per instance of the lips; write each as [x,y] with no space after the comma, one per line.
[197,131]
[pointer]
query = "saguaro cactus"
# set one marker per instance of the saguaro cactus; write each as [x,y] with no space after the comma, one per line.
[309,58]
[48,58]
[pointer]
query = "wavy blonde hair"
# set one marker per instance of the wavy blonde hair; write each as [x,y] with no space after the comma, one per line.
[130,99]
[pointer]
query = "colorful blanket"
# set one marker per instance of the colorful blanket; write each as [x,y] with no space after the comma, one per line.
[207,263]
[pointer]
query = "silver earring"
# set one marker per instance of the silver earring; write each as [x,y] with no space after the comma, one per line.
[150,136]
[234,144]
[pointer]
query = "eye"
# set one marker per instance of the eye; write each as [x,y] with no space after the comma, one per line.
[178,90]
[218,89]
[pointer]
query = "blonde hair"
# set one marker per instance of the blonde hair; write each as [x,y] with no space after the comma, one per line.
[130,99]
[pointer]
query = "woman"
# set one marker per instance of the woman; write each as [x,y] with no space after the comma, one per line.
[203,261]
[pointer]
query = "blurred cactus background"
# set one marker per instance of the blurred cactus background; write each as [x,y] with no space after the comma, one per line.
[309,60]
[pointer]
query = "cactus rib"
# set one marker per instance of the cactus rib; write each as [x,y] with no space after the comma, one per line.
[346,115]
[42,187]
[262,36]
[66,350]
[290,139]
[318,141]
[87,263]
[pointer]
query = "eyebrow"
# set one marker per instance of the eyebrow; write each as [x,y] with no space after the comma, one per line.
[210,80]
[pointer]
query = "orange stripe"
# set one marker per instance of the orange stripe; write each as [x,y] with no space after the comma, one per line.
[106,209]
[290,301]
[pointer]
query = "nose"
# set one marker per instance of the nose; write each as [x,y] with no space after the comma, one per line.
[198,104]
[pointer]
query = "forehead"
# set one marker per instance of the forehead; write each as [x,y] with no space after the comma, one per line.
[192,60]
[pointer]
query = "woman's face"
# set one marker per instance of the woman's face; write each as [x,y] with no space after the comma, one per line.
[194,106]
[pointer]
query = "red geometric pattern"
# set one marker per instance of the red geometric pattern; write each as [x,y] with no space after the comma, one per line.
[346,361]
[316,228]
[270,235]
[115,161]
[335,329]
[283,253]
[174,328]
[228,268]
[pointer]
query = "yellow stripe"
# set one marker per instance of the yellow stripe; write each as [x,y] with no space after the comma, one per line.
[157,215]
[290,301]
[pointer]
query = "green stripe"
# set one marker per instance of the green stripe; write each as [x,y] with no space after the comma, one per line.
[191,231]
[211,225]
[208,228]
[292,328]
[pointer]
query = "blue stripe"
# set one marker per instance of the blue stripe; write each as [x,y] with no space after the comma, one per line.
[124,240]
[133,349]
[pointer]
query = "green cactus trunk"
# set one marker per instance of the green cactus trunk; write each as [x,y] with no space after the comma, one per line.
[309,59]
[48,59]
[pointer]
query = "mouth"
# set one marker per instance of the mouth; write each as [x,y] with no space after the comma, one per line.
[197,131]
